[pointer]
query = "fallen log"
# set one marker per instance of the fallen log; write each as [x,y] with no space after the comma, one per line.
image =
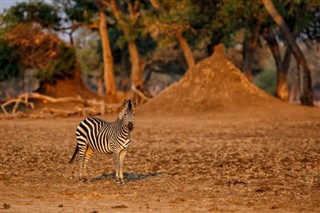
[87,108]
[141,96]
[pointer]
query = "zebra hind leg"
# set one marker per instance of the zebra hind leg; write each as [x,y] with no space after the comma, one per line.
[85,154]
[86,160]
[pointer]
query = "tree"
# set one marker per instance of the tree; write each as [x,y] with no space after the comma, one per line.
[249,46]
[178,33]
[34,11]
[306,96]
[37,48]
[282,86]
[107,55]
[250,16]
[88,48]
[246,17]
[128,24]
[300,16]
[43,51]
[92,15]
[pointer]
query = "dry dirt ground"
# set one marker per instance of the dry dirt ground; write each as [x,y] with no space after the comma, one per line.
[254,161]
[245,152]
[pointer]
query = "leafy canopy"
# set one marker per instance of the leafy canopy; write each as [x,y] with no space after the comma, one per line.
[32,12]
[29,42]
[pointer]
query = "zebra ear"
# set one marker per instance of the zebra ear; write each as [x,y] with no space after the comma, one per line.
[125,103]
[133,103]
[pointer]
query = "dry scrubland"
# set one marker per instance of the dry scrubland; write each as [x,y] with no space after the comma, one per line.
[198,147]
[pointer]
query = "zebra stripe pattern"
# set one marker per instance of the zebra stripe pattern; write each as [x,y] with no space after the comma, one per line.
[97,135]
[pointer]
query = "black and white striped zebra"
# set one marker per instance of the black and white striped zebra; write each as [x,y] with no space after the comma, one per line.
[97,135]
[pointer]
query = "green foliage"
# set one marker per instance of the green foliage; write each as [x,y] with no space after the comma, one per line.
[81,11]
[267,80]
[296,13]
[89,51]
[233,16]
[176,16]
[146,44]
[64,66]
[9,57]
[180,13]
[132,27]
[32,12]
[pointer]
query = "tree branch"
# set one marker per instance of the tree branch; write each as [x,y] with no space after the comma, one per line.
[89,107]
[306,95]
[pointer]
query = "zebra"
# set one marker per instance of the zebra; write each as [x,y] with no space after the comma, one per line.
[97,135]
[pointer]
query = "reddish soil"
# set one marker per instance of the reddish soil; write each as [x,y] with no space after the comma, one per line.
[204,148]
[68,88]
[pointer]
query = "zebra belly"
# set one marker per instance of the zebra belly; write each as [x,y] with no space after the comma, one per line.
[88,135]
[101,146]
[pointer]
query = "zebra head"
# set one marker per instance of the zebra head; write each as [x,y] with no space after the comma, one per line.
[128,113]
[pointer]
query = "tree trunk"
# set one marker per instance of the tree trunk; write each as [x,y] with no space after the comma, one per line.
[188,55]
[248,53]
[286,60]
[294,89]
[136,72]
[100,87]
[282,86]
[108,75]
[306,96]
[186,50]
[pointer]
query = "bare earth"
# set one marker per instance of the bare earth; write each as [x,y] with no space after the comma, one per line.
[257,161]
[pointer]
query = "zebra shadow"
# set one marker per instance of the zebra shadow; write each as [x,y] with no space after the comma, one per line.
[127,176]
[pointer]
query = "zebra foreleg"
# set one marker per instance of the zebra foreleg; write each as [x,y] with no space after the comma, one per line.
[117,163]
[122,156]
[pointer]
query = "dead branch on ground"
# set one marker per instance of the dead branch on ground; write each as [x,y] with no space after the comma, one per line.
[142,96]
[87,108]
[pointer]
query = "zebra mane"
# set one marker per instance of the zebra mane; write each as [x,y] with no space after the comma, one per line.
[129,104]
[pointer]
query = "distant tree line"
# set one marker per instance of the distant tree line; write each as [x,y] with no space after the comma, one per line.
[135,29]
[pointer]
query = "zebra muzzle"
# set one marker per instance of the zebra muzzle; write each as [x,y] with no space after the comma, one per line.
[130,126]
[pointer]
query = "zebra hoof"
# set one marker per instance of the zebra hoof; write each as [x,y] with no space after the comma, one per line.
[120,181]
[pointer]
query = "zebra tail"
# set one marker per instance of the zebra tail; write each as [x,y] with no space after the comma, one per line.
[74,154]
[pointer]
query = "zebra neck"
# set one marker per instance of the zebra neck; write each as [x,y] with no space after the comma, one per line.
[124,128]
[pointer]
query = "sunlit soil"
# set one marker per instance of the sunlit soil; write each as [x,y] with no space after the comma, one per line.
[216,163]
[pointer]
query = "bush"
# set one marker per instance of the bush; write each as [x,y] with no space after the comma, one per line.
[9,57]
[63,66]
